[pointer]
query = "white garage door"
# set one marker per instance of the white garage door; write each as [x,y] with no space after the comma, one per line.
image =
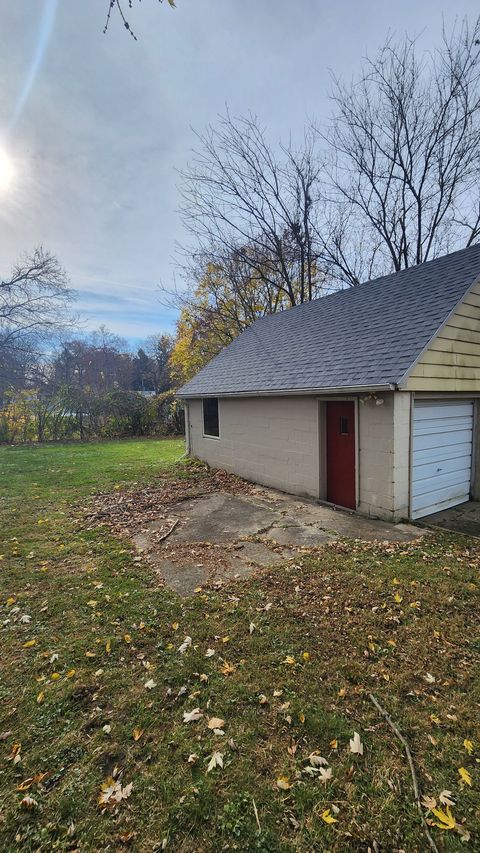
[442,455]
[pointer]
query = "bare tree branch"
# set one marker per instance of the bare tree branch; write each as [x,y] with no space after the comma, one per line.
[34,301]
[404,161]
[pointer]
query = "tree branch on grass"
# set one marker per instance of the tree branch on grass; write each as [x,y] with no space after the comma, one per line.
[416,791]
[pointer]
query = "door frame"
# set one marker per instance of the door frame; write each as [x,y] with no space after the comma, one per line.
[322,437]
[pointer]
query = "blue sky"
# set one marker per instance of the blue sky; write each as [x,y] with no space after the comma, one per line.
[96,126]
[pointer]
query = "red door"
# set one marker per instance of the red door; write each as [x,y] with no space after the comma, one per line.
[341,454]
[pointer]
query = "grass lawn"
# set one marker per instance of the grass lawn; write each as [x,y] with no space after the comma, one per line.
[206,719]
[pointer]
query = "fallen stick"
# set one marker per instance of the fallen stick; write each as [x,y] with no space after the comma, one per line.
[256,815]
[406,747]
[172,528]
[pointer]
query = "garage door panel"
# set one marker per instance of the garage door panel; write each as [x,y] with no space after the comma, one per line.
[442,455]
[424,410]
[444,499]
[442,481]
[429,469]
[441,425]
[442,439]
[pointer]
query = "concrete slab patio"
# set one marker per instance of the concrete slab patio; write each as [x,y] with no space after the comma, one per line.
[224,536]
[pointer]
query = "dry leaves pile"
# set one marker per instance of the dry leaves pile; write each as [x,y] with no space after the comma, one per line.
[126,511]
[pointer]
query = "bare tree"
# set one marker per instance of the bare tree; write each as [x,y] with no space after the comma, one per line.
[403,180]
[246,205]
[116,6]
[34,301]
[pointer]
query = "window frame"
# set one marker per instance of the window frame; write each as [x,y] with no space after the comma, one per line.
[205,433]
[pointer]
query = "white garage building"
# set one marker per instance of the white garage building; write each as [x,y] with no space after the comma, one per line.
[368,398]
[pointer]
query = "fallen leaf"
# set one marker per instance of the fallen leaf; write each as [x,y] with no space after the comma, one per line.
[327,817]
[185,645]
[150,684]
[26,784]
[215,761]
[446,819]
[325,773]
[290,660]
[112,791]
[216,723]
[137,733]
[356,745]
[29,644]
[445,798]
[28,803]
[317,760]
[283,783]
[192,716]
[468,744]
[465,776]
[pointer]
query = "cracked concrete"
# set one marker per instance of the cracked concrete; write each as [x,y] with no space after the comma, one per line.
[224,536]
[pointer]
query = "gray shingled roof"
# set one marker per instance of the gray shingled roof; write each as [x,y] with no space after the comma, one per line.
[365,336]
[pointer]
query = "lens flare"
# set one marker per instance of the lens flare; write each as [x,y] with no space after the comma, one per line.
[47,21]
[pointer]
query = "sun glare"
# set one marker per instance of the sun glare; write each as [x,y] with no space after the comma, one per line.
[7,172]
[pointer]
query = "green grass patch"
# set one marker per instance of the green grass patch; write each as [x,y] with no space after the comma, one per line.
[85,627]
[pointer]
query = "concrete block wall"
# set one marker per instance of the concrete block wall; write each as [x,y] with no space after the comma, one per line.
[376,457]
[277,441]
[384,456]
[270,440]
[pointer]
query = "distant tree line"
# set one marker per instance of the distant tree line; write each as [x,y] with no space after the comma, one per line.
[85,387]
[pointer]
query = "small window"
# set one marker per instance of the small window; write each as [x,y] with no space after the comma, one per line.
[343,425]
[210,417]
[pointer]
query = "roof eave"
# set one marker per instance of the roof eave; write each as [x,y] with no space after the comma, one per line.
[284,392]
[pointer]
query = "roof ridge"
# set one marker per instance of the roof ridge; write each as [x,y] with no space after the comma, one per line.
[381,278]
